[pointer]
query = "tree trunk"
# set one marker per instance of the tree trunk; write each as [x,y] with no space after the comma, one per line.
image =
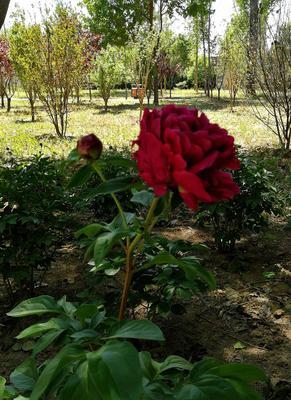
[171,85]
[105,105]
[218,93]
[2,101]
[32,110]
[8,104]
[4,4]
[156,86]
[204,55]
[253,44]
[196,84]
[126,91]
[209,51]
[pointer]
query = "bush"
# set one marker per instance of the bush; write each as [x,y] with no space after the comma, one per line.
[96,361]
[249,210]
[33,207]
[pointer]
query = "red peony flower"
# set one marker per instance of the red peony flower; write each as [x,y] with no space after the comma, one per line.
[90,147]
[180,149]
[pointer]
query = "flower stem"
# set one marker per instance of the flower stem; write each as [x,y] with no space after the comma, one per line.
[129,269]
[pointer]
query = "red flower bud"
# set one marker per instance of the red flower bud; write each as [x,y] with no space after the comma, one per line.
[90,147]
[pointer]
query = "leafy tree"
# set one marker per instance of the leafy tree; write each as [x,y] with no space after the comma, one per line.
[25,56]
[255,13]
[116,20]
[233,58]
[7,73]
[60,66]
[108,71]
[144,53]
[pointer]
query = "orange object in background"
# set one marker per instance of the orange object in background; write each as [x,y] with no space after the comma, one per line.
[137,91]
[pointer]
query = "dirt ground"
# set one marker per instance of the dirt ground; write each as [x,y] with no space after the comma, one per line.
[246,319]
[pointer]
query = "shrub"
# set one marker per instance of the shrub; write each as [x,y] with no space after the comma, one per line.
[258,199]
[33,204]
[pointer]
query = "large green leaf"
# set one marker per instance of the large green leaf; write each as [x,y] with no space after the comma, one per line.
[243,372]
[77,388]
[65,357]
[112,186]
[105,242]
[37,329]
[35,306]
[81,176]
[175,362]
[45,340]
[25,375]
[209,388]
[138,329]
[90,230]
[114,372]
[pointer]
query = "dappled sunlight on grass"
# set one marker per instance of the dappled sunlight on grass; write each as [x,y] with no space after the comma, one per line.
[120,124]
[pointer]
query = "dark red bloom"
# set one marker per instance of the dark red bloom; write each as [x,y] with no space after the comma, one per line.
[180,149]
[90,147]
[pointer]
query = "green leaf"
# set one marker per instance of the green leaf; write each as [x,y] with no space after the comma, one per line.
[120,162]
[36,329]
[175,362]
[25,375]
[74,155]
[35,306]
[114,372]
[84,334]
[105,242]
[90,230]
[76,387]
[209,388]
[239,346]
[87,311]
[144,197]
[45,340]
[242,372]
[66,356]
[81,176]
[2,386]
[138,329]
[112,186]
[193,269]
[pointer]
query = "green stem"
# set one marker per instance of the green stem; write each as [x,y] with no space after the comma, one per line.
[118,205]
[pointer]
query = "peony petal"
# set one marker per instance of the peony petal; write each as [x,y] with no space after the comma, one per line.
[190,183]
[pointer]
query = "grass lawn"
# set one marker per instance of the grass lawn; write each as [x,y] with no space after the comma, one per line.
[119,125]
